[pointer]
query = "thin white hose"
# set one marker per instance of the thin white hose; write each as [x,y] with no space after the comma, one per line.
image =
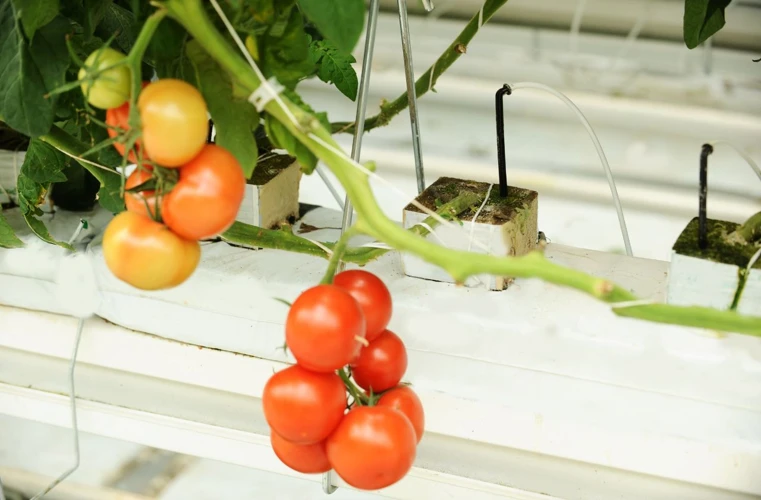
[600,153]
[752,164]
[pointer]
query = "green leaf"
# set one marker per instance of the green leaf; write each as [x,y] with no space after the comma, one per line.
[36,13]
[166,50]
[43,164]
[235,119]
[703,19]
[28,71]
[340,21]
[38,228]
[119,22]
[8,238]
[335,67]
[285,50]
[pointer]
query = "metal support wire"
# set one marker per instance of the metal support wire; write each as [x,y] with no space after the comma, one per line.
[74,424]
[409,73]
[364,85]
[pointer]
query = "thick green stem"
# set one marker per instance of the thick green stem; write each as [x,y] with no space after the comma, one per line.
[426,82]
[371,219]
[751,229]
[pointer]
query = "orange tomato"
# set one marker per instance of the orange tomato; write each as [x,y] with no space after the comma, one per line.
[175,122]
[373,447]
[146,254]
[206,199]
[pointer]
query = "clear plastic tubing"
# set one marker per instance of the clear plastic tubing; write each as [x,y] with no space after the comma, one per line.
[600,153]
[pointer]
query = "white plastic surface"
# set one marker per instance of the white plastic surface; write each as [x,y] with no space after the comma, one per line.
[536,368]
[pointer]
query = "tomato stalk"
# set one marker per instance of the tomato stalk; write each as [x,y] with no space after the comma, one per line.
[338,252]
[372,221]
[357,394]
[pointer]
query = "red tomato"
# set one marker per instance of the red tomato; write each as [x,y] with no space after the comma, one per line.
[146,254]
[304,407]
[373,447]
[143,201]
[323,328]
[373,297]
[304,458]
[206,199]
[405,400]
[118,121]
[175,122]
[381,365]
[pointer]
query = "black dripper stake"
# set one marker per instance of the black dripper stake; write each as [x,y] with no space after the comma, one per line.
[702,217]
[503,91]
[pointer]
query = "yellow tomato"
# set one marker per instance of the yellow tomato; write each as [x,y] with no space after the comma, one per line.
[146,254]
[174,120]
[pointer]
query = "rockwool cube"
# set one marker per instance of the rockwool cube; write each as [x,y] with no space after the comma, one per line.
[272,193]
[502,226]
[717,276]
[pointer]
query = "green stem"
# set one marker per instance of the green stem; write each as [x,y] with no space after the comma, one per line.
[135,60]
[339,249]
[425,82]
[372,221]
[356,392]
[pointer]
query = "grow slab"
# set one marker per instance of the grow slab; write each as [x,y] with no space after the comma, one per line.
[536,369]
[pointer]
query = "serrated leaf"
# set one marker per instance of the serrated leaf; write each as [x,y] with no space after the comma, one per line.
[702,20]
[285,50]
[340,21]
[335,67]
[235,120]
[43,164]
[8,238]
[28,71]
[38,228]
[36,13]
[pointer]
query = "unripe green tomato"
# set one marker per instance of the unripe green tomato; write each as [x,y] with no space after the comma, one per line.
[109,89]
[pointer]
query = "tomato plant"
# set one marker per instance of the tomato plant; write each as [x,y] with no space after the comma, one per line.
[146,254]
[142,202]
[381,365]
[405,400]
[117,120]
[304,458]
[324,328]
[106,81]
[206,199]
[302,406]
[175,121]
[373,447]
[372,295]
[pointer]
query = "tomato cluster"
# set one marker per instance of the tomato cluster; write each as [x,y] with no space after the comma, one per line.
[184,190]
[366,430]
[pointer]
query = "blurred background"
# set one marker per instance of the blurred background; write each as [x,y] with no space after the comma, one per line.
[651,101]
